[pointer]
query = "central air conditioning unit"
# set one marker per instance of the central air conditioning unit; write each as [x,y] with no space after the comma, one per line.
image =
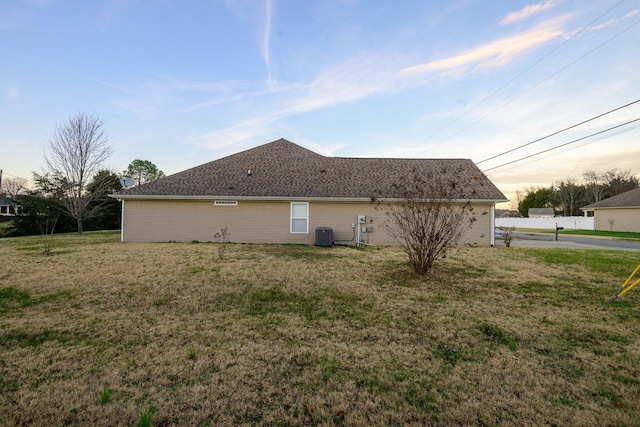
[324,236]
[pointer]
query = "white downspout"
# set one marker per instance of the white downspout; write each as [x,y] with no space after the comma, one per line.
[122,223]
[493,224]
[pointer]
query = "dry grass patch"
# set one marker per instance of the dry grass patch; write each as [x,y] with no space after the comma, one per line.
[157,334]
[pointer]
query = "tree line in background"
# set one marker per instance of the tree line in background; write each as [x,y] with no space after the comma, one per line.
[566,197]
[72,192]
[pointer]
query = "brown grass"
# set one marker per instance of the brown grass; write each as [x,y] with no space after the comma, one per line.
[103,333]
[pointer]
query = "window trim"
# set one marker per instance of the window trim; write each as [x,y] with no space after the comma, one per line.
[291,218]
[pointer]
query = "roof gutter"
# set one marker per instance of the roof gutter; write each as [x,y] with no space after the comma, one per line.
[588,209]
[281,198]
[395,200]
[245,198]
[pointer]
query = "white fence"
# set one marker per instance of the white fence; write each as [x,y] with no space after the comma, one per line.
[568,222]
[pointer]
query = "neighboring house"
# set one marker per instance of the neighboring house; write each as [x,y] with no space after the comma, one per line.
[283,193]
[541,213]
[617,213]
[8,207]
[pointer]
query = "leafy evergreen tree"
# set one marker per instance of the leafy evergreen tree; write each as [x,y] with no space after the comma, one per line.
[109,210]
[143,171]
[38,214]
[535,198]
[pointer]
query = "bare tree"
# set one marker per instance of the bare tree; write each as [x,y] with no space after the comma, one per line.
[14,186]
[222,238]
[76,152]
[428,219]
[595,185]
[567,195]
[620,181]
[516,200]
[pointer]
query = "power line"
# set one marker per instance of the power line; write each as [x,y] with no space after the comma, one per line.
[537,84]
[561,145]
[557,132]
[7,173]
[600,138]
[568,149]
[568,143]
[512,80]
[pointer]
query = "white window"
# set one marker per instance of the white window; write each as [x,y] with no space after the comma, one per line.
[299,217]
[225,203]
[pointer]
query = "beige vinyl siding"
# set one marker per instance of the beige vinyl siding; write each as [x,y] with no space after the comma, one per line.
[482,230]
[624,219]
[263,222]
[340,216]
[185,221]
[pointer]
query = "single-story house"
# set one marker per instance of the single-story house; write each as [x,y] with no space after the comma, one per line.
[283,193]
[617,213]
[541,213]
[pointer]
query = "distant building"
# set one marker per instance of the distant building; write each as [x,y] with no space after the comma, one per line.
[506,213]
[617,213]
[8,207]
[541,213]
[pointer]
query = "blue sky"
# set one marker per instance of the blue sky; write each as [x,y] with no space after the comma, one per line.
[181,83]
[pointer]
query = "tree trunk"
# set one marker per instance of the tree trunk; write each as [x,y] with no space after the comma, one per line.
[80,226]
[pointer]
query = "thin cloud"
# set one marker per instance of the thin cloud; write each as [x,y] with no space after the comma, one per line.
[493,54]
[236,91]
[261,18]
[266,38]
[246,134]
[528,11]
[226,86]
[614,21]
[232,137]
[358,78]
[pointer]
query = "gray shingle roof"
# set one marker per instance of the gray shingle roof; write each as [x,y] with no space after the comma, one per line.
[628,199]
[6,201]
[284,169]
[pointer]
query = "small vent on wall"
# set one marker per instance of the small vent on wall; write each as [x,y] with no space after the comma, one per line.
[225,203]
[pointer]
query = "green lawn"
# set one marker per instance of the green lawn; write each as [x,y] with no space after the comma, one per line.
[105,333]
[625,235]
[3,227]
